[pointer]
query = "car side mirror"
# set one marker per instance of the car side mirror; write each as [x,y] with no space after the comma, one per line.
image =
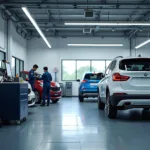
[78,80]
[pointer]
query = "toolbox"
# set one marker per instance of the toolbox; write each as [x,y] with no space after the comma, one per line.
[13,101]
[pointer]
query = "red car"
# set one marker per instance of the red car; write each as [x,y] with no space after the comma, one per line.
[55,91]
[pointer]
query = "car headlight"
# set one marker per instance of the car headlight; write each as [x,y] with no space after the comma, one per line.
[57,84]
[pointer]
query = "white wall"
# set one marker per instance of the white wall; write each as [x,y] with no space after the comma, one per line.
[17,45]
[39,53]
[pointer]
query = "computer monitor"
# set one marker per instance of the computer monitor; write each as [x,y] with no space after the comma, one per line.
[8,69]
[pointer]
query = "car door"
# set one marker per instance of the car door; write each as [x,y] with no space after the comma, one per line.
[103,83]
[107,79]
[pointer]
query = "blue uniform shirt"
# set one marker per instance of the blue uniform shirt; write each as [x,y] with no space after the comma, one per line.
[47,78]
[31,77]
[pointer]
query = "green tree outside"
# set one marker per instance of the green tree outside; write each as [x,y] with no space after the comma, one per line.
[80,73]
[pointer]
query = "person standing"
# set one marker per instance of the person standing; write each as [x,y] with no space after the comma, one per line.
[47,78]
[32,76]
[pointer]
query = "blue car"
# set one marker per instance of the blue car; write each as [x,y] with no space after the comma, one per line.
[88,86]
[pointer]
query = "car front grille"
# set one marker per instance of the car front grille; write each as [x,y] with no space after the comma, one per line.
[55,89]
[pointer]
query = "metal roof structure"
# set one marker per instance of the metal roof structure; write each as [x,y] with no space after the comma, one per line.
[51,15]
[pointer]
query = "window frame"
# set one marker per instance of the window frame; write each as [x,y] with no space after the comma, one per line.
[3,53]
[20,60]
[76,65]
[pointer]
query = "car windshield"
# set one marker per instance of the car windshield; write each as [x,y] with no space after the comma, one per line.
[38,75]
[94,76]
[139,64]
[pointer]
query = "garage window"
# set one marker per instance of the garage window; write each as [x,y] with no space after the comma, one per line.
[107,63]
[17,66]
[69,70]
[82,68]
[2,56]
[98,66]
[75,69]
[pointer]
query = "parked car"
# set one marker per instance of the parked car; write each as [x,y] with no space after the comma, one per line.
[88,85]
[126,85]
[55,91]
[31,96]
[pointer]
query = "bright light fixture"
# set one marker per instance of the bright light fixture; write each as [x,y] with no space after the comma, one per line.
[89,23]
[108,23]
[92,45]
[26,11]
[142,44]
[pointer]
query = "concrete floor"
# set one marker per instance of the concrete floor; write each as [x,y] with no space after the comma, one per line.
[70,125]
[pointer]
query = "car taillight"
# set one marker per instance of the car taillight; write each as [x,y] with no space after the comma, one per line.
[83,81]
[118,77]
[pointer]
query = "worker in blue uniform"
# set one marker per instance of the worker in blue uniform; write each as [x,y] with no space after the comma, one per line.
[32,76]
[47,78]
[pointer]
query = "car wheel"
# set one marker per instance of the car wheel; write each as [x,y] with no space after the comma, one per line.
[101,105]
[55,101]
[37,97]
[81,99]
[110,110]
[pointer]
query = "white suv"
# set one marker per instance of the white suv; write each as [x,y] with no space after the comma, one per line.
[126,85]
[31,95]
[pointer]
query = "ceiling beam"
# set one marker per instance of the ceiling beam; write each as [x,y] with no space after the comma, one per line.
[81,28]
[146,8]
[145,4]
[13,17]
[84,35]
[97,15]
[134,15]
[133,32]
[61,22]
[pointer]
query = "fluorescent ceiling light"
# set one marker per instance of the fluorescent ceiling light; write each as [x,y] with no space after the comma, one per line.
[102,45]
[133,24]
[35,25]
[142,44]
[90,23]
[108,23]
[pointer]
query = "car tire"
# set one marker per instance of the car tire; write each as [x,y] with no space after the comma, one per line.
[146,109]
[101,105]
[37,97]
[55,101]
[81,98]
[110,110]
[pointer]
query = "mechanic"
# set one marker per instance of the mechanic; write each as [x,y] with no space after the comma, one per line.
[47,78]
[32,76]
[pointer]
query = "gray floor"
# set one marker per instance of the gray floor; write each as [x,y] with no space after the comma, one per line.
[70,125]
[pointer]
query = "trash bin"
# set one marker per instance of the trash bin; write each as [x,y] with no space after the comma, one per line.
[68,89]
